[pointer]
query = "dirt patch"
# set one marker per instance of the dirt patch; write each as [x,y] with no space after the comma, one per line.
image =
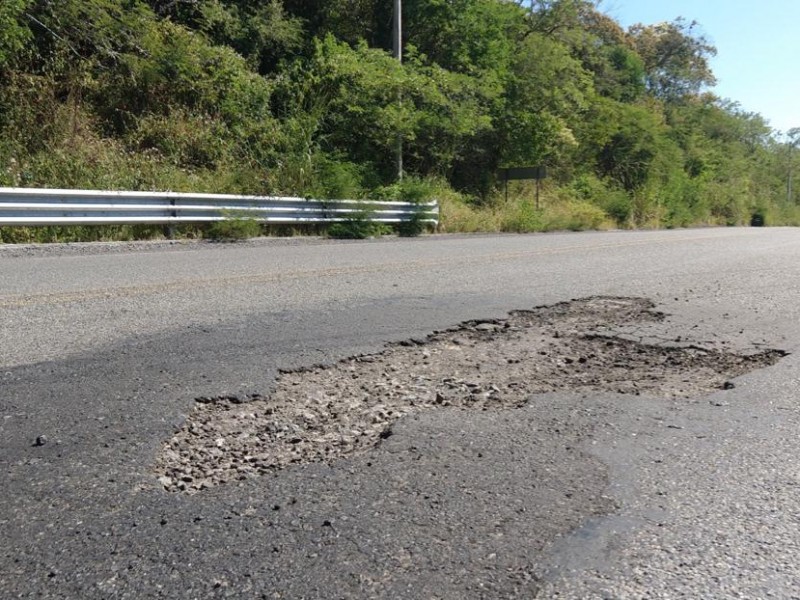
[327,412]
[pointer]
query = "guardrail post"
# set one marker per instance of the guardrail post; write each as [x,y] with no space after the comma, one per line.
[172,228]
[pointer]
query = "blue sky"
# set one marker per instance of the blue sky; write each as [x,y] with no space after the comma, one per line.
[758,48]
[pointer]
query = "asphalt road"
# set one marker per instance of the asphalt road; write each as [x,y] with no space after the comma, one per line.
[104,349]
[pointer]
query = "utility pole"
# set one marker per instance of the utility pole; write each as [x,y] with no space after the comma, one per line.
[397,50]
[794,139]
[789,177]
[397,30]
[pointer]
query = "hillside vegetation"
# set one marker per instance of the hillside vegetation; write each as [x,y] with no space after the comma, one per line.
[304,98]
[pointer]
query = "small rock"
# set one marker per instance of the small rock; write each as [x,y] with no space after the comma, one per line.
[40,441]
[728,385]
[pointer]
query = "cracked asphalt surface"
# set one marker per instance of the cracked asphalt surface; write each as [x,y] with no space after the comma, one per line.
[577,494]
[323,413]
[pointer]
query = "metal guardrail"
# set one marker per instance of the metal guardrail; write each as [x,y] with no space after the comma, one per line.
[26,207]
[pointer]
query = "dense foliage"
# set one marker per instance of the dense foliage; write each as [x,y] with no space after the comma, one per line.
[297,97]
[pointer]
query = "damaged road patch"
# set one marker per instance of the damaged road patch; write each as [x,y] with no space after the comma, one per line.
[327,412]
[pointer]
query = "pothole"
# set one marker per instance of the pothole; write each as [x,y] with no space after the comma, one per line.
[326,412]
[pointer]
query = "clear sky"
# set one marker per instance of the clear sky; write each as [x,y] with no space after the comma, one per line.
[758,48]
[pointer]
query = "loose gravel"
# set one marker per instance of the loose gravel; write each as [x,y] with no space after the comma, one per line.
[326,412]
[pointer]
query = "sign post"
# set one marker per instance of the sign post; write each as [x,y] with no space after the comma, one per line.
[514,173]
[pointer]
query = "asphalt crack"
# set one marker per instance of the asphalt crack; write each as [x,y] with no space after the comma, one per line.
[326,412]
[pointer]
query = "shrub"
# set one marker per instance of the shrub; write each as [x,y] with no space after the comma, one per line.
[618,207]
[187,140]
[456,214]
[615,201]
[414,190]
[234,227]
[357,227]
[574,216]
[414,226]
[521,218]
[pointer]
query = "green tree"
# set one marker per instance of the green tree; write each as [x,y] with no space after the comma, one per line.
[555,18]
[355,101]
[261,31]
[606,51]
[676,58]
[549,92]
[466,36]
[14,32]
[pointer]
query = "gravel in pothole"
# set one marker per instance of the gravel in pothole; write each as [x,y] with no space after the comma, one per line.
[326,412]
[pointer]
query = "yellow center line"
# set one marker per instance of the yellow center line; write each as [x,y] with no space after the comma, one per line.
[52,298]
